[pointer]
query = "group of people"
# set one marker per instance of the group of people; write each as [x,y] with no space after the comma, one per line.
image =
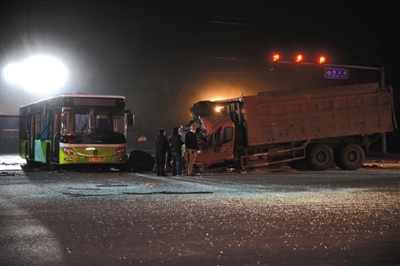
[174,144]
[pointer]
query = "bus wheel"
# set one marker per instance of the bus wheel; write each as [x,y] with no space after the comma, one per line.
[30,164]
[49,156]
[319,157]
[298,164]
[350,157]
[52,167]
[104,168]
[141,161]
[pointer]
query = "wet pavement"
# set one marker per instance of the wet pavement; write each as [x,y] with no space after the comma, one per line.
[274,216]
[379,160]
[13,162]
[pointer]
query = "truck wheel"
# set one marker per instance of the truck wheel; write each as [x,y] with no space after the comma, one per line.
[198,168]
[319,157]
[350,157]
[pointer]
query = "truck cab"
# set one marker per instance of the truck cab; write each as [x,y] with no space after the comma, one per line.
[216,141]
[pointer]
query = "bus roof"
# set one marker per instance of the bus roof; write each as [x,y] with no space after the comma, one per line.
[77,95]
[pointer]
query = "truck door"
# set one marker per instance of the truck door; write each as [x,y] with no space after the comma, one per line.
[226,142]
[219,147]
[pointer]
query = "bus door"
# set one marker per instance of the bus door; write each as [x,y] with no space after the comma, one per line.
[56,135]
[31,145]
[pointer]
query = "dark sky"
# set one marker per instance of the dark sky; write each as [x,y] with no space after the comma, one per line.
[165,56]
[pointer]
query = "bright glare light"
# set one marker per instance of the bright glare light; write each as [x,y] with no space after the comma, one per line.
[38,73]
[215,90]
[218,109]
[275,57]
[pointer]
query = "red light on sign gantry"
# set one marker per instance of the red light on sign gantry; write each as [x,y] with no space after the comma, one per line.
[321,60]
[275,57]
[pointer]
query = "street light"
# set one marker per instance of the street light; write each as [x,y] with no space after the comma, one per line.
[37,73]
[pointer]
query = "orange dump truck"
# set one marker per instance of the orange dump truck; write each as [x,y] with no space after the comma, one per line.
[315,127]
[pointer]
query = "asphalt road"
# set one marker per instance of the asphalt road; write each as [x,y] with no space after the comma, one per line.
[270,216]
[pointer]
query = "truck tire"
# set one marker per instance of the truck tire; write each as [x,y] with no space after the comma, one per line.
[349,157]
[319,157]
[198,168]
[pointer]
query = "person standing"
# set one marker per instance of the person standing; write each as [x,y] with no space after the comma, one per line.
[162,147]
[192,148]
[176,152]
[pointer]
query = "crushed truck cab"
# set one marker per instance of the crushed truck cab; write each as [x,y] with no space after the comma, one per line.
[217,145]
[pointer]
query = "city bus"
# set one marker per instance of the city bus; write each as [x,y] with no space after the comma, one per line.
[75,128]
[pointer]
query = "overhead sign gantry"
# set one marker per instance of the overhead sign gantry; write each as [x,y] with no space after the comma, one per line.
[333,71]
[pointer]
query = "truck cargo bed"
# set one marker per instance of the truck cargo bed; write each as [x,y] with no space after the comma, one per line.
[287,116]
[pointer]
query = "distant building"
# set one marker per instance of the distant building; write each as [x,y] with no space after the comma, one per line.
[9,133]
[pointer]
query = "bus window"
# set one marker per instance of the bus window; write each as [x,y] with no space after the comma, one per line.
[23,128]
[91,121]
[118,124]
[103,124]
[65,123]
[112,121]
[80,122]
[84,120]
[56,121]
[38,124]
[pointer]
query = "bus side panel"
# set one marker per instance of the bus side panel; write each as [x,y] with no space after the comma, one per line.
[23,148]
[41,150]
[23,134]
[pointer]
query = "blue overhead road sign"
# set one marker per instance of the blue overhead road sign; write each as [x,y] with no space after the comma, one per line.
[336,73]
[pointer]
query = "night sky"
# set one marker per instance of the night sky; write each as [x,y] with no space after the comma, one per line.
[165,56]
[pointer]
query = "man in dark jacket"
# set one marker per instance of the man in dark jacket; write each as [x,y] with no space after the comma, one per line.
[162,147]
[176,152]
[192,148]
